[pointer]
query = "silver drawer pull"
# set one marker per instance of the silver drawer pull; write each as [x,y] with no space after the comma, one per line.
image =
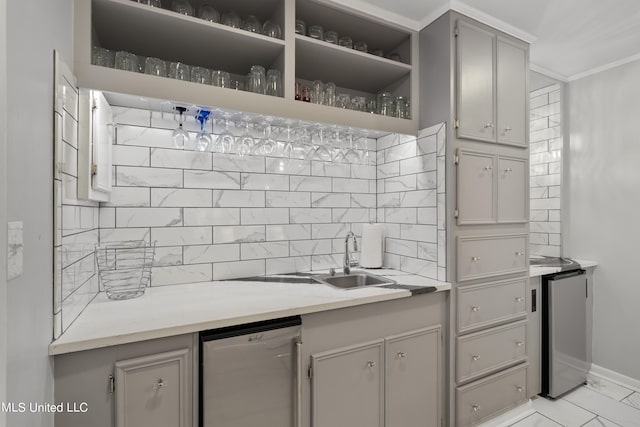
[475,258]
[519,343]
[519,299]
[475,309]
[475,358]
[475,408]
[371,364]
[401,355]
[519,389]
[508,129]
[488,168]
[159,384]
[519,253]
[508,170]
[488,125]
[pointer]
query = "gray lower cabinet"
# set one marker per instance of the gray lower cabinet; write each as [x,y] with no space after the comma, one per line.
[390,382]
[147,383]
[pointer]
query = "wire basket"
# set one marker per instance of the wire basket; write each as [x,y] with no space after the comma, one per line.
[125,268]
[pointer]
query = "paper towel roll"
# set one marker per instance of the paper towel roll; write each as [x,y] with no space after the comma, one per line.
[371,254]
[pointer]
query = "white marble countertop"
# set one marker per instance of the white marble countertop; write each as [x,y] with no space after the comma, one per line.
[537,270]
[181,309]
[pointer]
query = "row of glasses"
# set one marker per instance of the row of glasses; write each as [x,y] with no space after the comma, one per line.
[244,137]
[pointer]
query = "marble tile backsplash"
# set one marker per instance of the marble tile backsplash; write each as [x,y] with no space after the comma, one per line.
[546,171]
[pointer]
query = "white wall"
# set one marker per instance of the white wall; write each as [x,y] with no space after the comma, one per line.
[605,201]
[3,208]
[34,29]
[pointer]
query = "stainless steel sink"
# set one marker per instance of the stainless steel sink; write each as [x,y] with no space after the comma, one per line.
[353,280]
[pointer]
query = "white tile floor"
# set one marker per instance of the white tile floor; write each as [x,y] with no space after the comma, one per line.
[599,403]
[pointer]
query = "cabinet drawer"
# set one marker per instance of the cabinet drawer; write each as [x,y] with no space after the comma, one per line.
[488,304]
[483,352]
[487,256]
[482,399]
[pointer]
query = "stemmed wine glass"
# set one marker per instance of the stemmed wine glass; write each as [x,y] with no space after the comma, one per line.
[361,142]
[287,149]
[268,143]
[321,152]
[203,140]
[351,155]
[226,140]
[180,136]
[245,141]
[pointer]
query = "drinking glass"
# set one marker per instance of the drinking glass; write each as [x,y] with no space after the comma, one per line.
[244,142]
[317,89]
[345,41]
[360,46]
[316,32]
[401,107]
[274,83]
[180,136]
[385,104]
[343,100]
[102,57]
[257,79]
[252,24]
[351,155]
[394,56]
[238,84]
[301,27]
[358,103]
[226,142]
[329,95]
[271,29]
[220,78]
[231,19]
[331,37]
[182,7]
[321,152]
[287,149]
[268,144]
[378,52]
[208,13]
[179,71]
[201,75]
[203,140]
[127,61]
[155,67]
[361,145]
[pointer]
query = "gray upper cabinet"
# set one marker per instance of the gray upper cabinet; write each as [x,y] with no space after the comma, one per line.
[491,87]
[475,195]
[475,83]
[512,180]
[512,69]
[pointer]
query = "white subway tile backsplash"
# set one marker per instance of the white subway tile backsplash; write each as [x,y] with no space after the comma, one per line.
[388,141]
[544,203]
[130,176]
[419,164]
[288,199]
[310,215]
[238,198]
[233,163]
[330,200]
[544,227]
[125,155]
[211,253]
[288,166]
[545,181]
[352,215]
[167,256]
[148,217]
[428,144]
[325,262]
[428,251]
[539,215]
[232,270]
[400,215]
[180,159]
[288,232]
[131,116]
[310,247]
[418,198]
[107,218]
[539,238]
[401,151]
[539,192]
[288,265]
[363,201]
[330,169]
[117,235]
[554,215]
[427,180]
[238,234]
[144,136]
[169,120]
[363,171]
[213,180]
[253,181]
[400,183]
[264,250]
[419,232]
[211,216]
[180,274]
[313,183]
[253,216]
[73,305]
[129,197]
[428,216]
[329,231]
[174,236]
[419,266]
[178,197]
[402,247]
[388,170]
[389,200]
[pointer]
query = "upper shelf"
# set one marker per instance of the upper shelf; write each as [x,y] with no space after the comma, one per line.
[164,34]
[346,67]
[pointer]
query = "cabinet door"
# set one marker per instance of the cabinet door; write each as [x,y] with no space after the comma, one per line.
[475,83]
[512,189]
[154,390]
[348,387]
[476,201]
[412,386]
[512,69]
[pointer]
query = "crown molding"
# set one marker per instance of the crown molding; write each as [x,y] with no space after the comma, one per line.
[605,67]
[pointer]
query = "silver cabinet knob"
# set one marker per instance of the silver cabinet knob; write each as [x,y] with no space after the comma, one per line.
[519,253]
[159,384]
[488,168]
[401,355]
[371,364]
[508,129]
[475,358]
[519,343]
[519,389]
[519,299]
[475,258]
[508,170]
[475,309]
[475,408]
[488,125]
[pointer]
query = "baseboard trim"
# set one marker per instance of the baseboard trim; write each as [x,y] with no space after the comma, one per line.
[618,378]
[511,417]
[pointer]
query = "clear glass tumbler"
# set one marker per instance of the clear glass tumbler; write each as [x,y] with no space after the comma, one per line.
[127,61]
[220,78]
[271,29]
[208,13]
[317,92]
[155,67]
[361,46]
[345,41]
[231,19]
[301,27]
[252,24]
[102,57]
[182,7]
[331,37]
[329,97]
[274,83]
[257,79]
[179,71]
[316,32]
[201,75]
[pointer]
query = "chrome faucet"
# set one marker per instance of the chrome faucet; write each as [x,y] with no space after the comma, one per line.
[347,264]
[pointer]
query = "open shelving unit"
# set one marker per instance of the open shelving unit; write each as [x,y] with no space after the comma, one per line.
[162,33]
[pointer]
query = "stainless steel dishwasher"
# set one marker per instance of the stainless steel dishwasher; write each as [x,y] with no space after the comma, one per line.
[250,375]
[564,332]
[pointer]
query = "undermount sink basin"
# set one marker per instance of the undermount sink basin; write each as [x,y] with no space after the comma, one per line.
[353,280]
